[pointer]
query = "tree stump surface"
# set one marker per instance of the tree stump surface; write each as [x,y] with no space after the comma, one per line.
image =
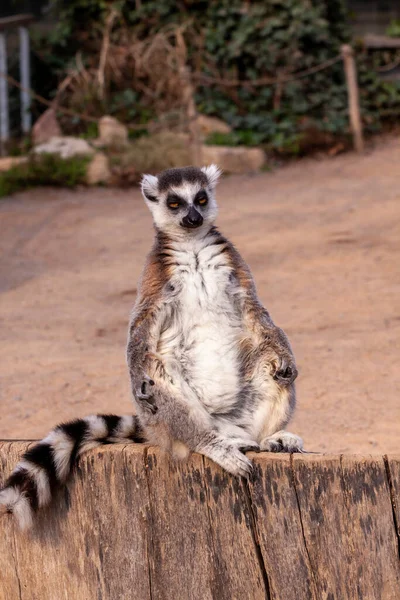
[134,525]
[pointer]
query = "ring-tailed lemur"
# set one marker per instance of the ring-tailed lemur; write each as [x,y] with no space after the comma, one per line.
[210,372]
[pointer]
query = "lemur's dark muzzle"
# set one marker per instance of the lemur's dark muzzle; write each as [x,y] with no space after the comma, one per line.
[193,219]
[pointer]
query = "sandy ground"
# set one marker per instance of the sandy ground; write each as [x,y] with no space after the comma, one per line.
[322,239]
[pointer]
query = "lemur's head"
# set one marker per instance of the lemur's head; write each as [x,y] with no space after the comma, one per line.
[182,200]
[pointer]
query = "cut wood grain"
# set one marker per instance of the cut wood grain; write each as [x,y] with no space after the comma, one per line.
[92,542]
[393,474]
[279,529]
[9,570]
[134,525]
[181,562]
[233,538]
[348,527]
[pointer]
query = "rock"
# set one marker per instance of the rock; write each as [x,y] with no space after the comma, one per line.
[11,161]
[65,146]
[98,170]
[46,127]
[209,125]
[239,159]
[112,133]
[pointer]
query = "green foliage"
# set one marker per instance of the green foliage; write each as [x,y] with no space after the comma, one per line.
[240,40]
[239,137]
[149,154]
[43,169]
[394,28]
[91,132]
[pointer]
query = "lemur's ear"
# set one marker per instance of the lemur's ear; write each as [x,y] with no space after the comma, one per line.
[213,173]
[149,185]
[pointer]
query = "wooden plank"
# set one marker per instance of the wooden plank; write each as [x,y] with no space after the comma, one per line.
[348,527]
[233,537]
[279,529]
[379,42]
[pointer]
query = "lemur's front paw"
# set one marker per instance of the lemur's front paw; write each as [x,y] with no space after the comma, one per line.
[229,453]
[144,394]
[285,371]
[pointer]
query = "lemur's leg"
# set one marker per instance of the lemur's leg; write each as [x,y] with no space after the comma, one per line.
[270,367]
[177,422]
[274,410]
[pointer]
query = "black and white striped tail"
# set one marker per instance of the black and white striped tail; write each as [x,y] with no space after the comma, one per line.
[47,465]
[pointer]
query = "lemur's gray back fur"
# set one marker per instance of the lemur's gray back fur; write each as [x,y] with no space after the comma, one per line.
[210,372]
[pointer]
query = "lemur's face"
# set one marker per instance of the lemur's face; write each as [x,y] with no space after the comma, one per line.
[182,200]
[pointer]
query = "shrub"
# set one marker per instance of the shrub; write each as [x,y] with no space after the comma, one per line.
[227,38]
[43,169]
[149,154]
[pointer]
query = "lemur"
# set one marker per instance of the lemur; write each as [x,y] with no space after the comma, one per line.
[210,371]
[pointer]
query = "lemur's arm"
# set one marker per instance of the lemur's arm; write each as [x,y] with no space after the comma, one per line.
[272,342]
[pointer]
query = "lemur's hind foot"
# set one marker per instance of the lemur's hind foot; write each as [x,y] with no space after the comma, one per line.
[282,441]
[229,454]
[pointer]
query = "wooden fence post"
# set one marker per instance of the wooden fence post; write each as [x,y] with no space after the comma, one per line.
[353,96]
[191,115]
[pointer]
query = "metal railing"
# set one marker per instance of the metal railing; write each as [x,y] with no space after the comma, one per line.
[19,22]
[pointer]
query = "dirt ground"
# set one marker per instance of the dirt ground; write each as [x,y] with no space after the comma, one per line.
[322,239]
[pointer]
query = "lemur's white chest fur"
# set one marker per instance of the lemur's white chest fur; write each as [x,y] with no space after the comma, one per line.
[200,334]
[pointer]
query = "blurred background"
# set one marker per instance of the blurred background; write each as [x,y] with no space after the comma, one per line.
[297,100]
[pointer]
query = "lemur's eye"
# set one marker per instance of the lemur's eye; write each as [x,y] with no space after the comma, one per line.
[202,201]
[174,202]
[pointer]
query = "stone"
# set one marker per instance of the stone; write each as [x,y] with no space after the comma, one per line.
[98,170]
[46,127]
[8,162]
[65,147]
[238,159]
[112,133]
[207,125]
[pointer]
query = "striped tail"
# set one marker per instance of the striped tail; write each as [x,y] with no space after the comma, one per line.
[47,465]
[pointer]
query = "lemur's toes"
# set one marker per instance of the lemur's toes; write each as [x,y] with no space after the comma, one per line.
[282,441]
[248,446]
[286,376]
[144,394]
[146,386]
[271,446]
[144,401]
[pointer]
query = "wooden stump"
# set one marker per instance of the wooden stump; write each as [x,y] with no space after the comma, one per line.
[134,525]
